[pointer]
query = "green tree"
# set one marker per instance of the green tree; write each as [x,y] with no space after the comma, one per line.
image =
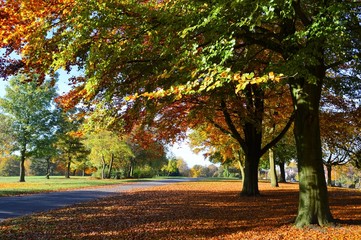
[30,107]
[69,140]
[171,168]
[6,143]
[149,154]
[44,159]
[107,150]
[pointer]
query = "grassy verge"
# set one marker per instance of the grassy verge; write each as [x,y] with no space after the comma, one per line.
[10,186]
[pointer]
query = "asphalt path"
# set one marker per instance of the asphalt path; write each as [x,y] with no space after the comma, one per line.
[11,207]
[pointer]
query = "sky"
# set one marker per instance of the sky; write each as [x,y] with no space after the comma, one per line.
[180,150]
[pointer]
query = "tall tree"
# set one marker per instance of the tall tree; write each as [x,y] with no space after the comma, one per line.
[30,107]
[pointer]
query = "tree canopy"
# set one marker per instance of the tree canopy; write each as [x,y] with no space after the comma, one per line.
[156,60]
[31,113]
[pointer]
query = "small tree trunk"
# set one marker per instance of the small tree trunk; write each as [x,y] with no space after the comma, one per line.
[48,168]
[131,168]
[329,175]
[273,175]
[103,167]
[313,205]
[283,173]
[67,174]
[241,167]
[22,168]
[110,166]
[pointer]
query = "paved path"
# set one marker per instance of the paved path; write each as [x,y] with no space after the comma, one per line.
[11,207]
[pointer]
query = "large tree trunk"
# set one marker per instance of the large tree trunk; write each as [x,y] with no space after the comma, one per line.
[313,200]
[273,175]
[250,183]
[283,172]
[253,139]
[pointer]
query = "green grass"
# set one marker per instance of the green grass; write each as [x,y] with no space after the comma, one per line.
[10,186]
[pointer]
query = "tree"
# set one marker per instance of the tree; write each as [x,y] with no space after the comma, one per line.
[171,168]
[108,149]
[339,130]
[69,140]
[30,107]
[182,167]
[43,158]
[6,143]
[219,147]
[285,151]
[156,49]
[148,153]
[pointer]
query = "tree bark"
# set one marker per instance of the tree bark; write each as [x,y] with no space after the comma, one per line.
[103,167]
[283,173]
[329,175]
[110,166]
[313,199]
[67,174]
[47,167]
[250,184]
[22,161]
[253,140]
[22,167]
[273,175]
[241,167]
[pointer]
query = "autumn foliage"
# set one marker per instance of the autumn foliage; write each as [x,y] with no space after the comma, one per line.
[197,210]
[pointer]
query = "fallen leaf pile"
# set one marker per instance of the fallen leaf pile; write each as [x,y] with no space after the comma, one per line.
[192,210]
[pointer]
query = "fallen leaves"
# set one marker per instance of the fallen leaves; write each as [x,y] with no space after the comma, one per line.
[197,210]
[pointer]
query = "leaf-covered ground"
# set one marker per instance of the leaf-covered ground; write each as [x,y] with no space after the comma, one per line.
[197,210]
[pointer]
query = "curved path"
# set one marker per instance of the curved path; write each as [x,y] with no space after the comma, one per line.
[11,207]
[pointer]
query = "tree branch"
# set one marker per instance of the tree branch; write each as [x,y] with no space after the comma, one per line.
[234,133]
[280,135]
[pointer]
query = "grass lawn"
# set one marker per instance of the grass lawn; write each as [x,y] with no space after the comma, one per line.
[190,210]
[10,186]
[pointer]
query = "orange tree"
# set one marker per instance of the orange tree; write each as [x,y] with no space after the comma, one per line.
[145,50]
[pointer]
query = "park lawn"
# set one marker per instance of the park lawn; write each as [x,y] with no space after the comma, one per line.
[190,210]
[10,186]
